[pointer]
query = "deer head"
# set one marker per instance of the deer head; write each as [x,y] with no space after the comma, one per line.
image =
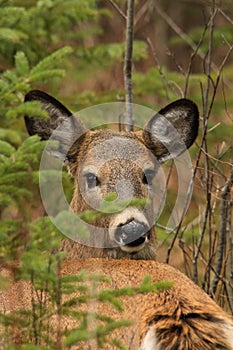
[126,163]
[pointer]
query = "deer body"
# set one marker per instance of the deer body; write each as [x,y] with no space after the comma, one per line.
[105,161]
[181,318]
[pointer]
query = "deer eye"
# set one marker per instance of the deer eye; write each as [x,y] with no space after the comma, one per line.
[92,180]
[148,176]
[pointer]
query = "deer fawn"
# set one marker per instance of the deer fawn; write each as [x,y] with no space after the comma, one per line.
[106,161]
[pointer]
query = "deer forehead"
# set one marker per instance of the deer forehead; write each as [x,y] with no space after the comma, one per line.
[116,151]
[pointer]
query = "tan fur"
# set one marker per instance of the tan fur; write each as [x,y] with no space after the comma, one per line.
[181,318]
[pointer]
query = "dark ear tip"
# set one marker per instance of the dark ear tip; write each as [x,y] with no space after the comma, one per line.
[190,107]
[46,99]
[192,115]
[35,95]
[185,103]
[183,115]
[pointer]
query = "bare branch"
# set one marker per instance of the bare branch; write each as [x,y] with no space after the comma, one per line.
[194,54]
[208,66]
[177,29]
[129,120]
[141,13]
[186,203]
[186,38]
[206,113]
[225,15]
[226,282]
[118,9]
[163,78]
[225,203]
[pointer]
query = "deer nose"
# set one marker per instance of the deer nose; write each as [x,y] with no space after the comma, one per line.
[132,233]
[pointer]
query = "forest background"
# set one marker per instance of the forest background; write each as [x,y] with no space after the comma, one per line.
[74,50]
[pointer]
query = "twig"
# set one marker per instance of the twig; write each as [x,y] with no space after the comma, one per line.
[226,282]
[163,78]
[206,113]
[59,306]
[218,159]
[207,108]
[195,52]
[118,9]
[208,67]
[200,241]
[230,260]
[143,10]
[226,16]
[187,199]
[223,230]
[225,102]
[178,30]
[165,190]
[186,38]
[129,119]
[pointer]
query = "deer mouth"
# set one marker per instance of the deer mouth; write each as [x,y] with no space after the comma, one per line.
[132,236]
[140,240]
[137,245]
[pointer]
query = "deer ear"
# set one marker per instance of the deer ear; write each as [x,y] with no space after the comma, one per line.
[61,125]
[171,131]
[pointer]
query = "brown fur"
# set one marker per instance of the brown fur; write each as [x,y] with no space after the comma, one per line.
[181,318]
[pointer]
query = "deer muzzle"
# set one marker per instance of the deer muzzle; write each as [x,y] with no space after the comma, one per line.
[130,230]
[132,234]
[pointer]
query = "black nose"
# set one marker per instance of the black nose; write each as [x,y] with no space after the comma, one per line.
[132,233]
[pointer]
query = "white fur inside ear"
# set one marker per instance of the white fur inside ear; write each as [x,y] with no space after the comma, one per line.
[160,129]
[164,131]
[64,136]
[150,342]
